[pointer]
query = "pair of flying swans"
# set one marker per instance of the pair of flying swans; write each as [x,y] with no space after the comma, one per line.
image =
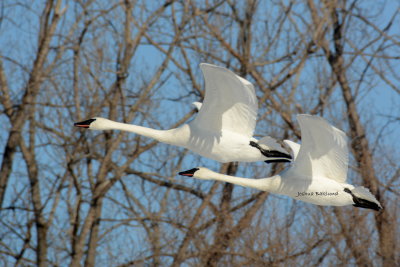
[317,174]
[223,131]
[223,128]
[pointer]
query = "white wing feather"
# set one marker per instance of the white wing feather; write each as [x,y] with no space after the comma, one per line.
[230,103]
[323,151]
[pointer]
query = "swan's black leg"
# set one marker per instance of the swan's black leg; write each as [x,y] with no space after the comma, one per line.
[277,160]
[362,203]
[281,157]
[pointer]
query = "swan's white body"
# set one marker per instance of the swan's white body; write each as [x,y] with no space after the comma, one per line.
[223,127]
[318,173]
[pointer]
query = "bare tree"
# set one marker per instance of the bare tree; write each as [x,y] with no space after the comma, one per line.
[77,197]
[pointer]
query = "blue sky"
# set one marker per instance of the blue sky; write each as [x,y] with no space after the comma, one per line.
[18,41]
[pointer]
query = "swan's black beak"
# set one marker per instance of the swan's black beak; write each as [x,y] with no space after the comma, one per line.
[84,124]
[189,173]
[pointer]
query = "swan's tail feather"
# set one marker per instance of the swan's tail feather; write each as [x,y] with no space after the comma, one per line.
[363,198]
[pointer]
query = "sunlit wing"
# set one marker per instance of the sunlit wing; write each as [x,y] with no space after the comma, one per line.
[230,102]
[323,150]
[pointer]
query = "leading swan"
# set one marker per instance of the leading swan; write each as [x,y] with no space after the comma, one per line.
[317,175]
[223,128]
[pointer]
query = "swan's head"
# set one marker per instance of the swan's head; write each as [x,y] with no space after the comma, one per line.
[199,172]
[95,124]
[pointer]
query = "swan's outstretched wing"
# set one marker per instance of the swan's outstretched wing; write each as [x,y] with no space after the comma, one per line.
[230,102]
[323,150]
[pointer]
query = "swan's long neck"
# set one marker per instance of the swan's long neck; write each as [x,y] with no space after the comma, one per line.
[270,184]
[172,136]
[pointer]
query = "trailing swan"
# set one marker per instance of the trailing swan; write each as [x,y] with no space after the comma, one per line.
[223,128]
[317,175]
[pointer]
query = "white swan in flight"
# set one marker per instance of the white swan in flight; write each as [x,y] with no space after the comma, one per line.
[223,128]
[317,175]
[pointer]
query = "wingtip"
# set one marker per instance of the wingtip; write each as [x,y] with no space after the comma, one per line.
[308,117]
[323,121]
[313,117]
[204,64]
[305,116]
[212,67]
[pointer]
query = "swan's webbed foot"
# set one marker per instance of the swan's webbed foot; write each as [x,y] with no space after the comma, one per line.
[274,155]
